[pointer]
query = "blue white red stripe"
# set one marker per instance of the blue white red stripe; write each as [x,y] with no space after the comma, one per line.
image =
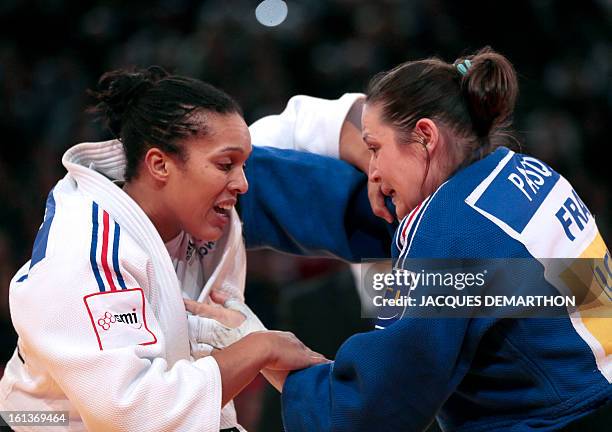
[400,229]
[116,256]
[104,251]
[407,224]
[413,225]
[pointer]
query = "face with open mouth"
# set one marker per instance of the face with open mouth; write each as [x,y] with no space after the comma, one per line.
[202,190]
[398,168]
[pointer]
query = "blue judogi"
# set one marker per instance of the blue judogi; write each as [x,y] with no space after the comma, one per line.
[474,374]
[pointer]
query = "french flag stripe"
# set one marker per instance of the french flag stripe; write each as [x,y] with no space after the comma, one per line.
[104,257]
[415,225]
[94,247]
[417,216]
[417,222]
[116,236]
[398,233]
[407,225]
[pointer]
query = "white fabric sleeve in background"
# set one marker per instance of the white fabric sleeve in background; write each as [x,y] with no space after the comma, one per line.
[307,124]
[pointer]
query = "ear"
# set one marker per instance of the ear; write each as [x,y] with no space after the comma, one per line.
[427,129]
[156,164]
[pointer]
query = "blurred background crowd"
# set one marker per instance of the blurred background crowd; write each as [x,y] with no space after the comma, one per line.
[51,51]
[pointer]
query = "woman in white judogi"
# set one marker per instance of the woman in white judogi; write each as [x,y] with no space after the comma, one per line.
[99,309]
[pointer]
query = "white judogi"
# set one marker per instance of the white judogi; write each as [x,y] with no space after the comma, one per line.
[110,376]
[99,310]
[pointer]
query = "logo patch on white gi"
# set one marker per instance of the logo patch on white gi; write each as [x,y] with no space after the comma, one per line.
[118,318]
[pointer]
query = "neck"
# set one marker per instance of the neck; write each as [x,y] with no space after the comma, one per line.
[442,165]
[147,199]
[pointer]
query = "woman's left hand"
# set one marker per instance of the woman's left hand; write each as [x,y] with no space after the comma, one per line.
[352,149]
[377,202]
[219,323]
[216,310]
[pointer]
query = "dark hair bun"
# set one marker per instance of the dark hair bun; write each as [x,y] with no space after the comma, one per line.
[491,88]
[120,89]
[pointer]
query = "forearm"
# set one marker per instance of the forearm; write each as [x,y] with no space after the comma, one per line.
[273,209]
[240,363]
[276,378]
[352,147]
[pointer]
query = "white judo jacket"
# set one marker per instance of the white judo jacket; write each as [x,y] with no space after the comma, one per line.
[103,332]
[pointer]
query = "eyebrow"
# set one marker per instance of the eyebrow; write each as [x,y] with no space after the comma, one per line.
[229,149]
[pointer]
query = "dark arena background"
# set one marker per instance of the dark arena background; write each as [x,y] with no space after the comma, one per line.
[51,51]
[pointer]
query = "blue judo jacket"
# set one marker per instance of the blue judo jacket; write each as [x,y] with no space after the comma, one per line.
[474,374]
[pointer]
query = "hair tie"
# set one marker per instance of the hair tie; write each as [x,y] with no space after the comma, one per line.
[464,66]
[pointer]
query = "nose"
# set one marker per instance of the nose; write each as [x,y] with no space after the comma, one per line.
[373,174]
[239,183]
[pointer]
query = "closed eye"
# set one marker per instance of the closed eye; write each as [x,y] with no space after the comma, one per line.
[229,166]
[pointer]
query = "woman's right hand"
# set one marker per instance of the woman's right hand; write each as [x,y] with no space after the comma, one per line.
[287,352]
[276,351]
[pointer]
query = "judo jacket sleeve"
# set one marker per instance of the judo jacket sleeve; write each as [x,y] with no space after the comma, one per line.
[392,379]
[307,204]
[302,202]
